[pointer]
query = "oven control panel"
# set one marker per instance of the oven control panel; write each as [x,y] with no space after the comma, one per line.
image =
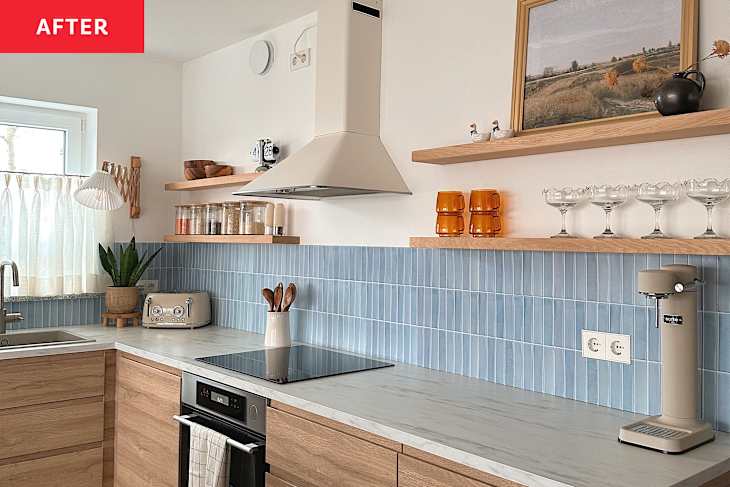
[225,402]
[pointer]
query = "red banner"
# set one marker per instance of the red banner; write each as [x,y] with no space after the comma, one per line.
[72,26]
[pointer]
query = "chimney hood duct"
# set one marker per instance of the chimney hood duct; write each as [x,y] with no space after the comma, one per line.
[346,156]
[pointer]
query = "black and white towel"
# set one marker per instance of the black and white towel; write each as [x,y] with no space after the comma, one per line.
[209,459]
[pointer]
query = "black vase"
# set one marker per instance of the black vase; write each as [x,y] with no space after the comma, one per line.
[680,94]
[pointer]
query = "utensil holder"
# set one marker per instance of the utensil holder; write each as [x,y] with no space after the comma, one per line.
[277,330]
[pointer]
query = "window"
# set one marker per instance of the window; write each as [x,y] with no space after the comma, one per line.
[45,138]
[46,150]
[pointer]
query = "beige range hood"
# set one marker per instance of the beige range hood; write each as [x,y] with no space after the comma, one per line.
[346,156]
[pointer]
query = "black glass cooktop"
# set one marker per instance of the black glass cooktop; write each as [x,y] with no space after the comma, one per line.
[293,364]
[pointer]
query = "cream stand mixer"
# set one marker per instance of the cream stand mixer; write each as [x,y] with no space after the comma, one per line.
[677,429]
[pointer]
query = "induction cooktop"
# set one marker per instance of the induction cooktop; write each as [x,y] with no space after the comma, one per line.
[293,364]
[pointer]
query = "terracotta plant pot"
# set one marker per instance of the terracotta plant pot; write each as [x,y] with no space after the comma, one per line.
[122,299]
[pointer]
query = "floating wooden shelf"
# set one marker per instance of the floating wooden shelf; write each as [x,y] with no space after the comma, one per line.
[588,245]
[212,183]
[652,129]
[233,239]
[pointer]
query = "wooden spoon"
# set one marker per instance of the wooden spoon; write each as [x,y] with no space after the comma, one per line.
[289,296]
[278,296]
[269,297]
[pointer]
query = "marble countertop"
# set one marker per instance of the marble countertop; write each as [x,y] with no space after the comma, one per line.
[530,438]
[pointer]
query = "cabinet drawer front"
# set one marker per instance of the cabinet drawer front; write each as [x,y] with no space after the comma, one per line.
[314,455]
[77,469]
[42,428]
[24,382]
[272,481]
[147,438]
[415,473]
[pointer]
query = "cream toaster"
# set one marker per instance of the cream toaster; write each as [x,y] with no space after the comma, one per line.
[176,310]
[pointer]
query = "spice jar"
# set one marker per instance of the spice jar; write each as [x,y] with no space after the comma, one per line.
[231,218]
[213,219]
[197,220]
[182,220]
[253,214]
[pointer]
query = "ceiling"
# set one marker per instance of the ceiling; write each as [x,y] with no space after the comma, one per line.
[182,30]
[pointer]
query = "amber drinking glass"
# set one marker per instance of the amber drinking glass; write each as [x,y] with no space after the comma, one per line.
[484,200]
[485,224]
[450,202]
[449,225]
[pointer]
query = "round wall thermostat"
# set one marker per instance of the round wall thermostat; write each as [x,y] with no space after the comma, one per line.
[261,57]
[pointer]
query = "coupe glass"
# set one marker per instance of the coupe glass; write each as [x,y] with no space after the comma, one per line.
[563,199]
[609,198]
[657,195]
[709,192]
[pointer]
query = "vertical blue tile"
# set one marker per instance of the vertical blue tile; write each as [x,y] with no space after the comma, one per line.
[500,316]
[581,276]
[628,273]
[549,370]
[537,271]
[518,272]
[559,323]
[528,368]
[528,336]
[710,266]
[616,279]
[709,397]
[538,323]
[571,326]
[560,371]
[491,360]
[723,284]
[655,388]
[604,384]
[592,277]
[570,275]
[617,387]
[570,374]
[559,276]
[547,275]
[641,387]
[724,343]
[548,317]
[627,373]
[641,329]
[581,385]
[603,317]
[615,316]
[509,363]
[519,318]
[710,341]
[537,368]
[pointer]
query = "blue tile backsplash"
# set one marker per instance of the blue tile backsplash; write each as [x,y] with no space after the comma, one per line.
[509,317]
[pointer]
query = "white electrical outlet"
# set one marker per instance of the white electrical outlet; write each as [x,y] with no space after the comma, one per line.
[594,344]
[618,348]
[149,286]
[300,59]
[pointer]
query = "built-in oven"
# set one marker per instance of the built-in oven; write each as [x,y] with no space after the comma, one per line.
[239,415]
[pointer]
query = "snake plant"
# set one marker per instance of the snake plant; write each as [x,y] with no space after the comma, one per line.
[127,267]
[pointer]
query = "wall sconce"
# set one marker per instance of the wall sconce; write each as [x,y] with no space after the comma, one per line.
[112,186]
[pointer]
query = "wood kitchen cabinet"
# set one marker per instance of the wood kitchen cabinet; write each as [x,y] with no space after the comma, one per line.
[52,420]
[146,436]
[306,453]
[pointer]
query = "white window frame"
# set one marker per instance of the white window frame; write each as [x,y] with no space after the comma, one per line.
[79,123]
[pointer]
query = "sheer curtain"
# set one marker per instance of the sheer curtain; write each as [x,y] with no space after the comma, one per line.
[50,236]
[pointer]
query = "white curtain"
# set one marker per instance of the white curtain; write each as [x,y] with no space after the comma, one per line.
[51,237]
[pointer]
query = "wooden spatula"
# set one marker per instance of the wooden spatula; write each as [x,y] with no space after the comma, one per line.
[269,297]
[278,296]
[289,296]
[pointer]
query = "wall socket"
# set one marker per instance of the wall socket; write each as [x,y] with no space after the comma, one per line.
[606,346]
[300,59]
[149,286]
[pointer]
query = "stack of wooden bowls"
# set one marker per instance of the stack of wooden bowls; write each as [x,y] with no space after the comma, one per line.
[200,169]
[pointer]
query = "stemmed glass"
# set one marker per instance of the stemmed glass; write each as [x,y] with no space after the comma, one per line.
[709,192]
[563,199]
[609,198]
[657,195]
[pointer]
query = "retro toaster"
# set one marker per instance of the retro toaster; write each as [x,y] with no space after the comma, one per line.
[176,310]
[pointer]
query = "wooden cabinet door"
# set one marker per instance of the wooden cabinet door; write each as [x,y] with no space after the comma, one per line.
[77,469]
[308,454]
[415,473]
[147,438]
[40,380]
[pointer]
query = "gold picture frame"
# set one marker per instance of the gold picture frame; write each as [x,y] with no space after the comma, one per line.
[687,57]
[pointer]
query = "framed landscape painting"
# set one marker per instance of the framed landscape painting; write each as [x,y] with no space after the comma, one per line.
[594,61]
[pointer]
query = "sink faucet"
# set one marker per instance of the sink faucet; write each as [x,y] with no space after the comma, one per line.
[6,317]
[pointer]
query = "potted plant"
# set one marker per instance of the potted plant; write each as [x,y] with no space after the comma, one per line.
[125,269]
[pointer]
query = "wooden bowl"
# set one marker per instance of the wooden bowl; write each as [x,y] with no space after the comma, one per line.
[198,164]
[192,174]
[218,171]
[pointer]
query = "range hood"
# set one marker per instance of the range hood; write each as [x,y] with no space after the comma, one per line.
[346,156]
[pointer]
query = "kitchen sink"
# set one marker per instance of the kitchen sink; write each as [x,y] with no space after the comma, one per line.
[39,338]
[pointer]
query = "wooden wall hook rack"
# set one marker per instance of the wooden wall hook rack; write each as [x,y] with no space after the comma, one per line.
[128,181]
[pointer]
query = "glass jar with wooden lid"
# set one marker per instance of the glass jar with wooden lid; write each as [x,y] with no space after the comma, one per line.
[253,217]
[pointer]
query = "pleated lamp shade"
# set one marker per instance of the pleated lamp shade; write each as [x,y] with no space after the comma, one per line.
[100,192]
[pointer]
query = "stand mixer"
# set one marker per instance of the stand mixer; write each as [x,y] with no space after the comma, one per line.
[677,429]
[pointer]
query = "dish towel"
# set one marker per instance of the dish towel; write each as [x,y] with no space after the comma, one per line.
[209,459]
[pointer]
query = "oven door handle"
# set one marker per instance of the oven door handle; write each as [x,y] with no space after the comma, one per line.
[247,448]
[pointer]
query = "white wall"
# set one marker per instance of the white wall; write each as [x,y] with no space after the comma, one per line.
[139,114]
[445,64]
